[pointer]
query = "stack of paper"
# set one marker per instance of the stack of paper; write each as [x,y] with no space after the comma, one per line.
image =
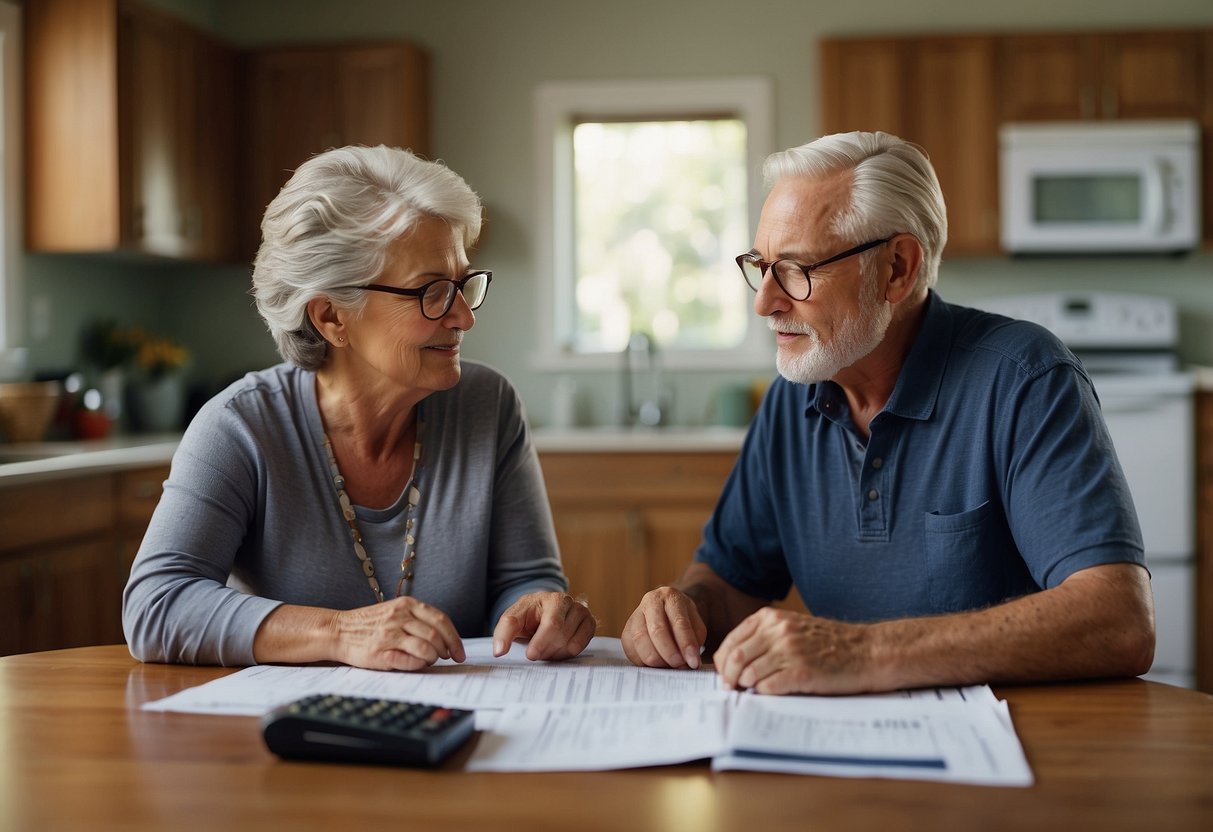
[600,712]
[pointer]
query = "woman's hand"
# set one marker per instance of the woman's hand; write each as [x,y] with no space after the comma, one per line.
[558,625]
[400,634]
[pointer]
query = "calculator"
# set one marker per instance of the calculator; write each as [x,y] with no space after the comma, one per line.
[355,729]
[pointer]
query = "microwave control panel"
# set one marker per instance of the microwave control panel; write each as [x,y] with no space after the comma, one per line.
[1095,320]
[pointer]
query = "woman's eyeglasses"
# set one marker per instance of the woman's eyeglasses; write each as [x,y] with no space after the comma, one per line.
[438,296]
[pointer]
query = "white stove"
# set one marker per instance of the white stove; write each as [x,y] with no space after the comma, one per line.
[1127,344]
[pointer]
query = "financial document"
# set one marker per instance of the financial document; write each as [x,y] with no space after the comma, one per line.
[598,711]
[601,674]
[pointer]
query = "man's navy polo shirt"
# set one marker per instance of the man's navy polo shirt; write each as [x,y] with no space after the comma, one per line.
[988,474]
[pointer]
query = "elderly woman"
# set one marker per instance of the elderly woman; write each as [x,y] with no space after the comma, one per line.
[374,498]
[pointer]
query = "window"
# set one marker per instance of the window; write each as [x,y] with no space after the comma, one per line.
[10,173]
[648,192]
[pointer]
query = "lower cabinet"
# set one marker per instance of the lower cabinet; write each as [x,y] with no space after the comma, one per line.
[66,548]
[630,522]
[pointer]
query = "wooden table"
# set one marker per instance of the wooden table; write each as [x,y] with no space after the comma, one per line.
[76,752]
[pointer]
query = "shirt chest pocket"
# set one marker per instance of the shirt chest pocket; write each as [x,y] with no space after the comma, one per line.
[970,559]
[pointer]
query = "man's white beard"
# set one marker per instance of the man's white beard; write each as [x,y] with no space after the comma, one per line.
[855,338]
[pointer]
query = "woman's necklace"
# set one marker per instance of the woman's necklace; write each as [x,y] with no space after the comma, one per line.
[410,535]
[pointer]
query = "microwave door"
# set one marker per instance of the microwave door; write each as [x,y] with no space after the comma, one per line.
[1088,206]
[1159,206]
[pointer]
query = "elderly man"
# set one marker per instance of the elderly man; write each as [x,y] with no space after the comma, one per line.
[937,482]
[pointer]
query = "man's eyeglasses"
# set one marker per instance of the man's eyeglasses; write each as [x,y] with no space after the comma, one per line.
[438,296]
[793,277]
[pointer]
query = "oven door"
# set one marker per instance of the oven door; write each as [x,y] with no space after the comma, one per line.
[1151,423]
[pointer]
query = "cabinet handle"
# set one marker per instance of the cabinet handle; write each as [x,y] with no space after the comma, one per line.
[1111,103]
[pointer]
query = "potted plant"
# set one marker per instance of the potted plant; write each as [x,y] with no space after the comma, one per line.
[157,390]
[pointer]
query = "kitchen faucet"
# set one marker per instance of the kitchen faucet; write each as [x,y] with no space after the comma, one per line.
[651,410]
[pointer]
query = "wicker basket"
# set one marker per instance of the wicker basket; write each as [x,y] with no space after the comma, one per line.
[26,409]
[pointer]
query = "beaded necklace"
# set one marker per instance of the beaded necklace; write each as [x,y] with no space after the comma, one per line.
[410,539]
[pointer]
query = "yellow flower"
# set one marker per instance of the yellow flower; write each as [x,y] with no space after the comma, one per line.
[158,355]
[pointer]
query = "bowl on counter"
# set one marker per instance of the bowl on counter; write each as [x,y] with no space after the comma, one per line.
[26,409]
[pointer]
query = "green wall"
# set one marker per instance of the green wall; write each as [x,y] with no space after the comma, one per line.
[488,56]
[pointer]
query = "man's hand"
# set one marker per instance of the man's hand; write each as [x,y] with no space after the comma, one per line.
[666,630]
[781,651]
[558,625]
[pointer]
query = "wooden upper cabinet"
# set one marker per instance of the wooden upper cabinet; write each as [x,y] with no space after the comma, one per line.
[1054,77]
[130,134]
[938,92]
[864,85]
[301,101]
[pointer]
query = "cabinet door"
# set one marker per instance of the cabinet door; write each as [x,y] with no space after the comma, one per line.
[671,536]
[938,92]
[1152,75]
[291,111]
[1207,174]
[863,85]
[383,97]
[71,126]
[953,116]
[1120,75]
[177,100]
[1048,77]
[16,603]
[59,596]
[601,550]
[307,100]
[207,159]
[79,598]
[152,83]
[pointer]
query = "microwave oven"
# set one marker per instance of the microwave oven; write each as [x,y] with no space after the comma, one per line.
[1099,187]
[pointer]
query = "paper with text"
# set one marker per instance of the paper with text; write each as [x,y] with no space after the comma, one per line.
[960,742]
[600,737]
[600,675]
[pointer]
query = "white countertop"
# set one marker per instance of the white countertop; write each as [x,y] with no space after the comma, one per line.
[37,461]
[638,440]
[1203,377]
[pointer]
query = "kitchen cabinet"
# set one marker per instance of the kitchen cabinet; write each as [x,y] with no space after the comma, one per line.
[1207,150]
[1204,540]
[130,132]
[938,92]
[951,93]
[66,546]
[303,100]
[1129,75]
[633,524]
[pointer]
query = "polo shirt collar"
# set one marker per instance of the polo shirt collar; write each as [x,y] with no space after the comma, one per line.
[921,375]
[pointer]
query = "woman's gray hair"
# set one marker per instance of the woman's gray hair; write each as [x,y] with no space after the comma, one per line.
[330,226]
[894,190]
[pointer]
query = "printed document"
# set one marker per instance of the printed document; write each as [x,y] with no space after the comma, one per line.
[600,674]
[598,711]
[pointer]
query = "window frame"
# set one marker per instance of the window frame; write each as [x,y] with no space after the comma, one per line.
[559,105]
[12,319]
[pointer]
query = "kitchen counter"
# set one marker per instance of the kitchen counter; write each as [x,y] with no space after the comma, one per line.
[638,440]
[40,461]
[1203,377]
